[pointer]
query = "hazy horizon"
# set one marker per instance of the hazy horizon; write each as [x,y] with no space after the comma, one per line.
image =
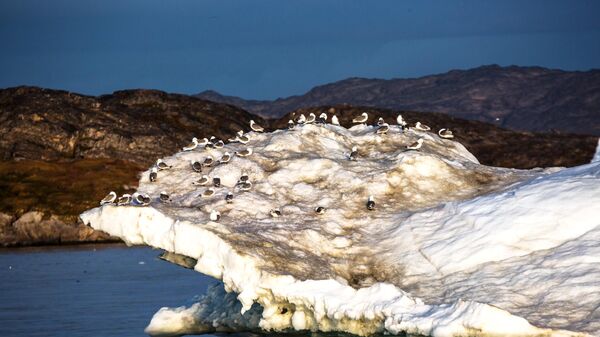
[270,49]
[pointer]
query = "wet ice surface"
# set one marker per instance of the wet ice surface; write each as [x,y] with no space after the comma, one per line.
[447,238]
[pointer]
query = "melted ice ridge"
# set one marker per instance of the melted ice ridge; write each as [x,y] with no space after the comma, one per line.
[448,236]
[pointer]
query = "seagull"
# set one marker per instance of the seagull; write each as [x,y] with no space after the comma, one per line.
[164,197]
[217,182]
[125,199]
[225,158]
[109,198]
[208,192]
[361,119]
[215,215]
[301,119]
[291,124]
[275,213]
[334,120]
[244,153]
[245,186]
[354,153]
[209,145]
[244,178]
[196,165]
[142,199]
[401,121]
[219,144]
[322,118]
[422,127]
[243,138]
[202,181]
[192,145]
[383,129]
[229,198]
[416,145]
[445,133]
[208,161]
[255,127]
[311,118]
[320,210]
[371,203]
[380,121]
[161,165]
[153,174]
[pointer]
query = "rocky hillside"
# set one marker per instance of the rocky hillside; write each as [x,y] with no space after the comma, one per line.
[61,152]
[520,98]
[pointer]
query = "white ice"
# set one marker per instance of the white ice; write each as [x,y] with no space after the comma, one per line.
[453,248]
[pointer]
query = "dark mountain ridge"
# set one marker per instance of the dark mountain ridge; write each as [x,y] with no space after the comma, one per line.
[521,98]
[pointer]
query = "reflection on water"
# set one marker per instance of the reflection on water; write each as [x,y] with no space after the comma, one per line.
[99,290]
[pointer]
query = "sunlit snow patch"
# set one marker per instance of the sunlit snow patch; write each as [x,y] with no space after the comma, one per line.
[452,247]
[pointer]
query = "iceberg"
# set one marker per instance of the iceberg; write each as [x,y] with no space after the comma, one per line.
[453,247]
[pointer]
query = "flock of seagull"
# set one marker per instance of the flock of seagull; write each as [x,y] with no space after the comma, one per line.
[244,183]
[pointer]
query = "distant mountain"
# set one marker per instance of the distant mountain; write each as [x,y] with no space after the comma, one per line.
[521,98]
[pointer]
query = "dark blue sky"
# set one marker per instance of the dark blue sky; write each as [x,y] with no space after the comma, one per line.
[266,49]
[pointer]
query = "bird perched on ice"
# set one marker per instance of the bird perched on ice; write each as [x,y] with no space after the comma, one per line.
[141,199]
[124,200]
[218,144]
[291,124]
[215,215]
[361,119]
[202,181]
[161,165]
[301,119]
[225,158]
[334,120]
[242,138]
[109,198]
[245,186]
[164,197]
[445,133]
[191,146]
[416,145]
[229,198]
[244,153]
[243,178]
[217,182]
[401,121]
[383,129]
[196,165]
[322,118]
[320,210]
[422,127]
[208,161]
[311,118]
[380,121]
[371,203]
[275,213]
[255,127]
[153,174]
[353,153]
[209,192]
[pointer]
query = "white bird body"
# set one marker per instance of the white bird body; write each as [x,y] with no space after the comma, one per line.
[361,119]
[153,174]
[215,215]
[124,200]
[244,153]
[301,119]
[208,192]
[225,158]
[202,181]
[323,118]
[416,145]
[422,127]
[311,118]
[161,165]
[400,120]
[371,203]
[383,129]
[290,124]
[445,133]
[334,120]
[196,165]
[353,153]
[255,127]
[192,145]
[109,198]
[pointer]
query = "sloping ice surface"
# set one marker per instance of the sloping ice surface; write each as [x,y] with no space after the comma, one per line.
[452,248]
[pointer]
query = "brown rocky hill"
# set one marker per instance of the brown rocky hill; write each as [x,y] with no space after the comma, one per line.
[61,152]
[520,98]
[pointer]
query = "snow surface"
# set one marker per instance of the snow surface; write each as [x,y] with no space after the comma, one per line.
[453,248]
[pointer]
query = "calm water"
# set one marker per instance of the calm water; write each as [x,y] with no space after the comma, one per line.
[89,290]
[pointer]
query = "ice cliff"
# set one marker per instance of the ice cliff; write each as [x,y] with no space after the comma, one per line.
[453,248]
